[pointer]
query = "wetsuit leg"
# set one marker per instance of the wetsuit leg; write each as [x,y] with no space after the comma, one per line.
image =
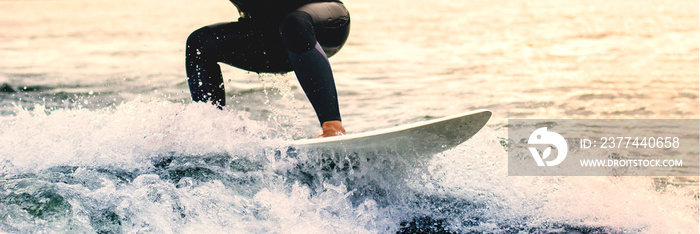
[240,44]
[203,72]
[309,34]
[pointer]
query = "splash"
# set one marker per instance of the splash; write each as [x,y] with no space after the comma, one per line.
[169,167]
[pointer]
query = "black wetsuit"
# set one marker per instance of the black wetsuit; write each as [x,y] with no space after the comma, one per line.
[273,36]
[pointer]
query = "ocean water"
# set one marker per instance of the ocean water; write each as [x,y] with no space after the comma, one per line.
[98,133]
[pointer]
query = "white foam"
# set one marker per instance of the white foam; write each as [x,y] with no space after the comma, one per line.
[123,135]
[467,187]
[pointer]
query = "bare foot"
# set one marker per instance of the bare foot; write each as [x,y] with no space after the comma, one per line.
[332,128]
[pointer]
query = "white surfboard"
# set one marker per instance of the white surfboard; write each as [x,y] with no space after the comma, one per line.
[412,140]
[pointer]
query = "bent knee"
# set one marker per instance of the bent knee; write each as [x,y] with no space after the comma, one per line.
[295,22]
[297,32]
[198,38]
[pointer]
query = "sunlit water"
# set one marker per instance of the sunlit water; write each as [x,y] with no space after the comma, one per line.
[97,132]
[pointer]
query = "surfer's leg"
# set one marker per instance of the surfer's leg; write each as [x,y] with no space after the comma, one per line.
[240,44]
[203,73]
[309,34]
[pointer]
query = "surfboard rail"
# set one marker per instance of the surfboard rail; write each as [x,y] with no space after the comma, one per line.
[422,138]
